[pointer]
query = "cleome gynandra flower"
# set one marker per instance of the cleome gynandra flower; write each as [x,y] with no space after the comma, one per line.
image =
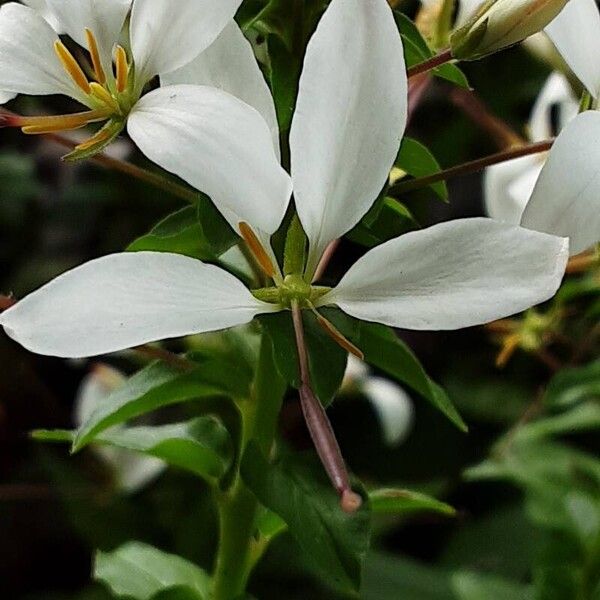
[110,70]
[346,132]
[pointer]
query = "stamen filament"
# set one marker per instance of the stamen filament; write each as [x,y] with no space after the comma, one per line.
[101,136]
[95,55]
[72,67]
[104,96]
[34,125]
[336,335]
[319,426]
[122,68]
[259,253]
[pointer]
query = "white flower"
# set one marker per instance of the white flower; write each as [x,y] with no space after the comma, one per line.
[392,404]
[346,133]
[509,185]
[162,37]
[132,471]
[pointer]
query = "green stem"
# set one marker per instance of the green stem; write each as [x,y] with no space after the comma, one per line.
[237,506]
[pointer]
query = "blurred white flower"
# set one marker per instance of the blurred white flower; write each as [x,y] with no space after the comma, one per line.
[131,471]
[344,140]
[391,403]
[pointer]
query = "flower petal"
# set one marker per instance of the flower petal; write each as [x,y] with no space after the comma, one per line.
[167,35]
[556,99]
[29,64]
[453,275]
[349,119]
[218,144]
[566,199]
[504,200]
[575,35]
[124,300]
[230,65]
[41,6]
[104,18]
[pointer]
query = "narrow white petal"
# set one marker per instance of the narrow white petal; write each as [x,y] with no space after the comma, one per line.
[230,65]
[29,64]
[575,33]
[393,406]
[105,18]
[42,7]
[504,200]
[566,199]
[167,35]
[453,275]
[124,300]
[349,119]
[218,144]
[555,100]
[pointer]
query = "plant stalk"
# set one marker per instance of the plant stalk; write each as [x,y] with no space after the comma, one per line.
[431,63]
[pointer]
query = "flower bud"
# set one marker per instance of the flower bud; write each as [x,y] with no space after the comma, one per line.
[499,24]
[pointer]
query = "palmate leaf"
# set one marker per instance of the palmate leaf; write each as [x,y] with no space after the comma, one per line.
[385,350]
[202,446]
[139,571]
[332,542]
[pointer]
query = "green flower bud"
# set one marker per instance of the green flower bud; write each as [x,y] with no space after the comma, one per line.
[499,24]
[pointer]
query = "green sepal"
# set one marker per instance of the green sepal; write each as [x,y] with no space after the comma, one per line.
[112,129]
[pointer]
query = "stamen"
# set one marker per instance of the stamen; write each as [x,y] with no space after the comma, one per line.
[101,136]
[34,125]
[337,336]
[509,347]
[103,95]
[72,67]
[122,68]
[95,55]
[254,245]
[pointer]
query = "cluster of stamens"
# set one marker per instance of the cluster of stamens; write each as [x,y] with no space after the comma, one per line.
[107,96]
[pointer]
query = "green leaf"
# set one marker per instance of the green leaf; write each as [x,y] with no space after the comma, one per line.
[571,386]
[202,446]
[155,386]
[406,502]
[583,417]
[333,542]
[416,160]
[196,231]
[477,586]
[140,571]
[327,360]
[416,50]
[180,592]
[386,351]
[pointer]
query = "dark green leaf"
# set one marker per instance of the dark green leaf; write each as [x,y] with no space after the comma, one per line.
[385,350]
[406,502]
[477,586]
[416,160]
[153,387]
[571,386]
[202,445]
[141,571]
[333,542]
[583,417]
[327,360]
[180,592]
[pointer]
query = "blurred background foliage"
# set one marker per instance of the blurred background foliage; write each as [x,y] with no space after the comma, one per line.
[525,480]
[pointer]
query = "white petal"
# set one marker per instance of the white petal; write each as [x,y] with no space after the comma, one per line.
[124,300]
[576,35]
[6,96]
[453,275]
[41,6]
[566,199]
[466,9]
[356,370]
[105,18]
[503,200]
[29,64]
[556,98]
[94,389]
[349,119]
[218,144]
[393,407]
[167,35]
[230,65]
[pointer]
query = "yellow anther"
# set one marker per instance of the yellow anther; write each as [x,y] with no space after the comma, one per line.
[259,253]
[104,96]
[95,56]
[122,68]
[34,125]
[71,66]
